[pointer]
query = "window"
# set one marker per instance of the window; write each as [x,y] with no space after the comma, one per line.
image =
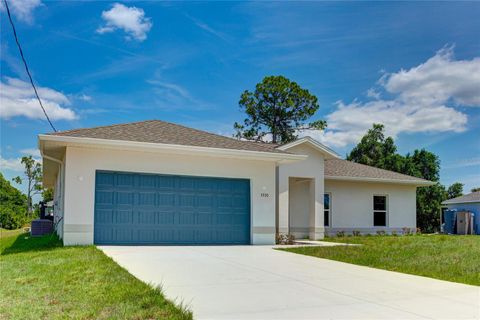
[379,211]
[326,209]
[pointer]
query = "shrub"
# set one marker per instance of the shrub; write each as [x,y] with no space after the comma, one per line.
[406,231]
[381,232]
[12,217]
[285,239]
[356,233]
[341,234]
[394,233]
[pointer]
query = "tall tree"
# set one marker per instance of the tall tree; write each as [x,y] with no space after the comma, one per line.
[455,190]
[376,150]
[33,177]
[277,109]
[475,190]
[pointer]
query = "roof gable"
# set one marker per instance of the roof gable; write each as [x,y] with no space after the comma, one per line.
[326,151]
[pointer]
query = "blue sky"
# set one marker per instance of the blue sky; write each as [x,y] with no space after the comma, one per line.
[414,66]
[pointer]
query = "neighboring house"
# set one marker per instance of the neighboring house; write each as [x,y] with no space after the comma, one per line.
[469,202]
[155,182]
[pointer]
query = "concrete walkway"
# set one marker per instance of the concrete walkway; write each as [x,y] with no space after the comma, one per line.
[257,282]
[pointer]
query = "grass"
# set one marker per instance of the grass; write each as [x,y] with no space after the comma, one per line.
[41,279]
[445,257]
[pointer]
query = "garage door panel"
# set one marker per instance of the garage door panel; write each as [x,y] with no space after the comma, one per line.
[104,197]
[104,179]
[135,208]
[205,218]
[124,198]
[146,181]
[166,199]
[166,218]
[147,199]
[103,216]
[122,217]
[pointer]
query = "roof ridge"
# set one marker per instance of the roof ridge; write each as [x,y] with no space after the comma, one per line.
[368,166]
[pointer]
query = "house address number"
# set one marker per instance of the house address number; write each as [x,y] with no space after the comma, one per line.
[264,195]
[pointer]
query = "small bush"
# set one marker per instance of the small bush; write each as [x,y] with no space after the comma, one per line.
[394,233]
[12,217]
[356,233]
[341,234]
[419,231]
[406,231]
[285,239]
[381,232]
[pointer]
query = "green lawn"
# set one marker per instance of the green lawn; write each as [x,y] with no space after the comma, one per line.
[40,279]
[452,258]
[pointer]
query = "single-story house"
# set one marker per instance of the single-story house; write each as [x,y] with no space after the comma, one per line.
[155,182]
[468,202]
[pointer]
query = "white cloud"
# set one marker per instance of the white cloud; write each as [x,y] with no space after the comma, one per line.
[34,152]
[18,99]
[22,9]
[424,100]
[85,97]
[372,93]
[132,20]
[13,164]
[438,80]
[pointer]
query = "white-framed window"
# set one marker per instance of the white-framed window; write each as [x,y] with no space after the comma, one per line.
[327,209]
[380,210]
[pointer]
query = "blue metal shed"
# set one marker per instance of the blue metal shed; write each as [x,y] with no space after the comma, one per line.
[469,202]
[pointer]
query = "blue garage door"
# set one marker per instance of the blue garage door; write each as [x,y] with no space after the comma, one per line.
[132,208]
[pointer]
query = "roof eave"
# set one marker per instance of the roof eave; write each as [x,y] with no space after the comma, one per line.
[418,183]
[173,148]
[460,202]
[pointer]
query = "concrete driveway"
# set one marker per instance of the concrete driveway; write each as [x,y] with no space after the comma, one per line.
[257,282]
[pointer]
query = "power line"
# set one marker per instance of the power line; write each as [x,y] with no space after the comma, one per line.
[26,66]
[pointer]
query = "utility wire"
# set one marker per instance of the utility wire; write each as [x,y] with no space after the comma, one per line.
[26,66]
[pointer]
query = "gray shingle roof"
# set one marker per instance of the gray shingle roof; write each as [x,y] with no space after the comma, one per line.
[348,169]
[471,197]
[156,131]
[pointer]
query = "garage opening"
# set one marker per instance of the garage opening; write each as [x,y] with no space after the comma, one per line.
[138,208]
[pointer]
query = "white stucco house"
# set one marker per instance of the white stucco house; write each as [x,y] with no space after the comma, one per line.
[155,182]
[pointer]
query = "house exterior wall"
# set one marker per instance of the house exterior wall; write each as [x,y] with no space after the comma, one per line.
[313,168]
[352,206]
[82,163]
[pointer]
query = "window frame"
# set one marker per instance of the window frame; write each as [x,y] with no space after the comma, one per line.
[383,211]
[329,209]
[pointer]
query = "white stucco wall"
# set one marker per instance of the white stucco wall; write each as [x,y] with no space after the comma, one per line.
[312,167]
[352,205]
[82,163]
